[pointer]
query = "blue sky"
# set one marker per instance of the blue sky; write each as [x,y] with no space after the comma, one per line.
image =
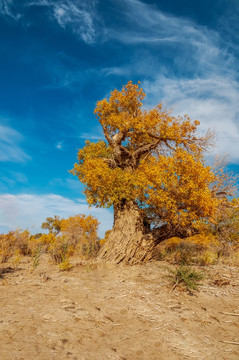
[58,57]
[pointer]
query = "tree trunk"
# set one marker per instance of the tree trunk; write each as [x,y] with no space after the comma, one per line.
[130,240]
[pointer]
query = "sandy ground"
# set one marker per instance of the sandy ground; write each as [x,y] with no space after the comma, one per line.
[97,312]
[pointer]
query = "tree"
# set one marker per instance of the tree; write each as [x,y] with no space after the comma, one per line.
[80,232]
[53,225]
[151,168]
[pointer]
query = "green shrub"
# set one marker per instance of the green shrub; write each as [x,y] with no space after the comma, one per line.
[186,278]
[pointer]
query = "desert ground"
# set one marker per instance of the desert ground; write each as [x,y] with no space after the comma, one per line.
[98,311]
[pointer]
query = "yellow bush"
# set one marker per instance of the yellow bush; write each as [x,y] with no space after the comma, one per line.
[12,242]
[47,239]
[80,233]
[65,264]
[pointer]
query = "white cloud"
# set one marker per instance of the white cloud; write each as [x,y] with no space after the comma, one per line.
[147,24]
[95,134]
[213,101]
[201,79]
[191,49]
[29,211]
[59,145]
[78,16]
[9,145]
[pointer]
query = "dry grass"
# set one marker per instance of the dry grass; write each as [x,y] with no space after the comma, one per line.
[17,244]
[197,250]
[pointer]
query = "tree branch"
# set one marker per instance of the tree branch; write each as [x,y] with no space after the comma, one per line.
[107,136]
[118,138]
[144,149]
[111,163]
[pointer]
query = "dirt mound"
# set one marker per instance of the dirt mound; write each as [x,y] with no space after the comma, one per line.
[102,311]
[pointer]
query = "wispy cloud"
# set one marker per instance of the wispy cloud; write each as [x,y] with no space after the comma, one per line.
[76,15]
[96,134]
[29,211]
[143,18]
[10,149]
[63,77]
[7,8]
[189,41]
[201,77]
[212,100]
[59,145]
[11,179]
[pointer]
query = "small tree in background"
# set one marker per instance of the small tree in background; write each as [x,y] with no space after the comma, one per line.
[81,232]
[14,242]
[151,169]
[53,225]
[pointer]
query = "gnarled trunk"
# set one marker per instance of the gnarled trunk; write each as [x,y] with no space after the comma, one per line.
[130,240]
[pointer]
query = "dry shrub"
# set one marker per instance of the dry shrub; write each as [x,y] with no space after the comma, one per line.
[14,243]
[60,250]
[178,251]
[225,228]
[65,265]
[80,234]
[231,258]
[198,249]
[44,241]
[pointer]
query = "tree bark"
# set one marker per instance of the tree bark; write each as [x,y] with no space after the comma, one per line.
[130,241]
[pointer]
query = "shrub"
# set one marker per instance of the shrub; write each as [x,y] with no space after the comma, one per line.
[80,233]
[14,242]
[65,264]
[186,277]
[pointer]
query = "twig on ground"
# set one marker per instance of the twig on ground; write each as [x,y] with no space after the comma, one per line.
[230,342]
[227,313]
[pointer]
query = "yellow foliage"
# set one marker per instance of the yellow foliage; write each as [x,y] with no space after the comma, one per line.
[80,233]
[208,257]
[46,239]
[16,258]
[151,158]
[52,224]
[65,264]
[14,243]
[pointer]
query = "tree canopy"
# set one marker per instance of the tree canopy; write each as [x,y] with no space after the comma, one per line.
[151,158]
[53,225]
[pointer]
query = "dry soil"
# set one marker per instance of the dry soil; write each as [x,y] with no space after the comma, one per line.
[100,311]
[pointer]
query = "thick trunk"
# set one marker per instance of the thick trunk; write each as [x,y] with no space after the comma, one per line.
[130,241]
